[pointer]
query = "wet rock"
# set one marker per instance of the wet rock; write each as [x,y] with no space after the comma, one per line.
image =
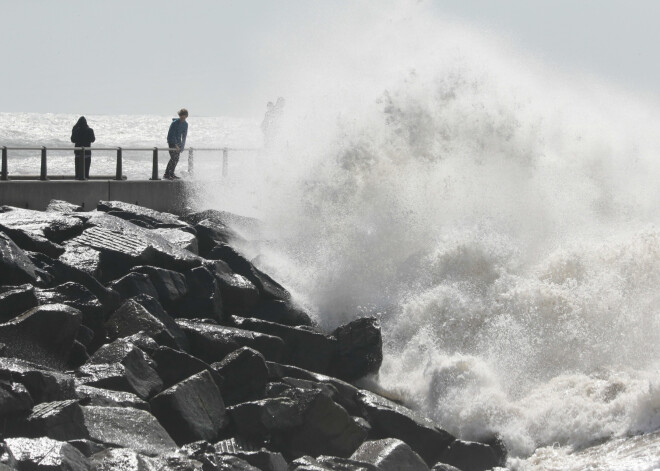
[47,454]
[129,460]
[92,396]
[390,454]
[85,336]
[43,384]
[191,410]
[260,418]
[56,227]
[346,393]
[59,206]
[14,399]
[32,241]
[174,366]
[239,294]
[15,266]
[213,458]
[170,285]
[204,298]
[246,227]
[15,300]
[210,234]
[359,349]
[121,366]
[156,310]
[153,218]
[212,343]
[81,298]
[132,318]
[78,355]
[134,284]
[86,447]
[444,467]
[262,459]
[268,288]
[128,428]
[304,348]
[180,238]
[44,334]
[7,459]
[59,420]
[244,375]
[281,312]
[391,420]
[329,463]
[62,272]
[471,456]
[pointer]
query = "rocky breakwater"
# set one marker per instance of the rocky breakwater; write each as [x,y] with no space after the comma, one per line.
[138,340]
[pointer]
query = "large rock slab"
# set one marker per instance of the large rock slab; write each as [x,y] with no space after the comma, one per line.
[132,212]
[134,284]
[203,299]
[15,266]
[244,374]
[281,312]
[191,410]
[210,234]
[56,227]
[43,384]
[129,460]
[304,348]
[391,420]
[132,318]
[239,294]
[92,396]
[212,342]
[170,285]
[155,309]
[28,240]
[247,227]
[180,238]
[127,428]
[60,206]
[59,420]
[43,335]
[329,463]
[359,349]
[174,366]
[390,454]
[47,454]
[15,300]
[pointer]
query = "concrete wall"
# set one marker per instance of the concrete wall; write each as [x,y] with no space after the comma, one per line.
[161,195]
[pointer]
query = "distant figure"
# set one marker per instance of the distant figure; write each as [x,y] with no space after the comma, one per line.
[270,126]
[82,136]
[176,139]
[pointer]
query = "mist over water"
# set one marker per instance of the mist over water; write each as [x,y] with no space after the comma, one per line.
[498,215]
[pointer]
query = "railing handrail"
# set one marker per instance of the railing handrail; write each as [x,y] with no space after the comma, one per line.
[4,174]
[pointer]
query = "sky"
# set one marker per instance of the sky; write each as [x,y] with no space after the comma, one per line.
[225,57]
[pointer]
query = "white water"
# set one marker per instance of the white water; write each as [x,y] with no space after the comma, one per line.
[500,216]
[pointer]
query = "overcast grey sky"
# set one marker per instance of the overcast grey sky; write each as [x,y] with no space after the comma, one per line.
[220,57]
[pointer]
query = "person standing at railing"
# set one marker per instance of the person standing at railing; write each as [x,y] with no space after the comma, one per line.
[82,136]
[176,139]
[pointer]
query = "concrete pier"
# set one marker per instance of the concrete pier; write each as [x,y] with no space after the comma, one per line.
[161,195]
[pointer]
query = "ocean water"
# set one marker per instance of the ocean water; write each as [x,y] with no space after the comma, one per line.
[498,215]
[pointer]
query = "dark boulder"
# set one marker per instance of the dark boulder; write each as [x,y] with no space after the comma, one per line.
[15,266]
[239,294]
[59,206]
[132,318]
[170,285]
[15,300]
[281,312]
[390,454]
[214,459]
[304,348]
[391,420]
[46,454]
[191,409]
[246,227]
[129,428]
[211,342]
[43,335]
[92,396]
[359,349]
[59,420]
[210,234]
[174,366]
[152,217]
[444,467]
[244,374]
[86,447]
[257,419]
[14,399]
[268,288]
[43,384]
[134,284]
[203,299]
[472,456]
[329,463]
[32,241]
[130,460]
[56,227]
[263,459]
[155,309]
[181,238]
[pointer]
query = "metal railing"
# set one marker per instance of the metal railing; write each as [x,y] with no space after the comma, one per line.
[4,172]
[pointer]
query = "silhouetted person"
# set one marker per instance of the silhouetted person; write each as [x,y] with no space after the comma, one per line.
[82,136]
[176,139]
[270,126]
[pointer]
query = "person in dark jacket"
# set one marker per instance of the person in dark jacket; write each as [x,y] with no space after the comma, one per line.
[82,136]
[176,139]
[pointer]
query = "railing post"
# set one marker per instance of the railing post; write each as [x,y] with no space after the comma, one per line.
[190,161]
[4,174]
[154,171]
[119,164]
[44,165]
[225,161]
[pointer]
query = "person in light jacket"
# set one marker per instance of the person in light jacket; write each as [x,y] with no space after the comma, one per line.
[82,136]
[176,139]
